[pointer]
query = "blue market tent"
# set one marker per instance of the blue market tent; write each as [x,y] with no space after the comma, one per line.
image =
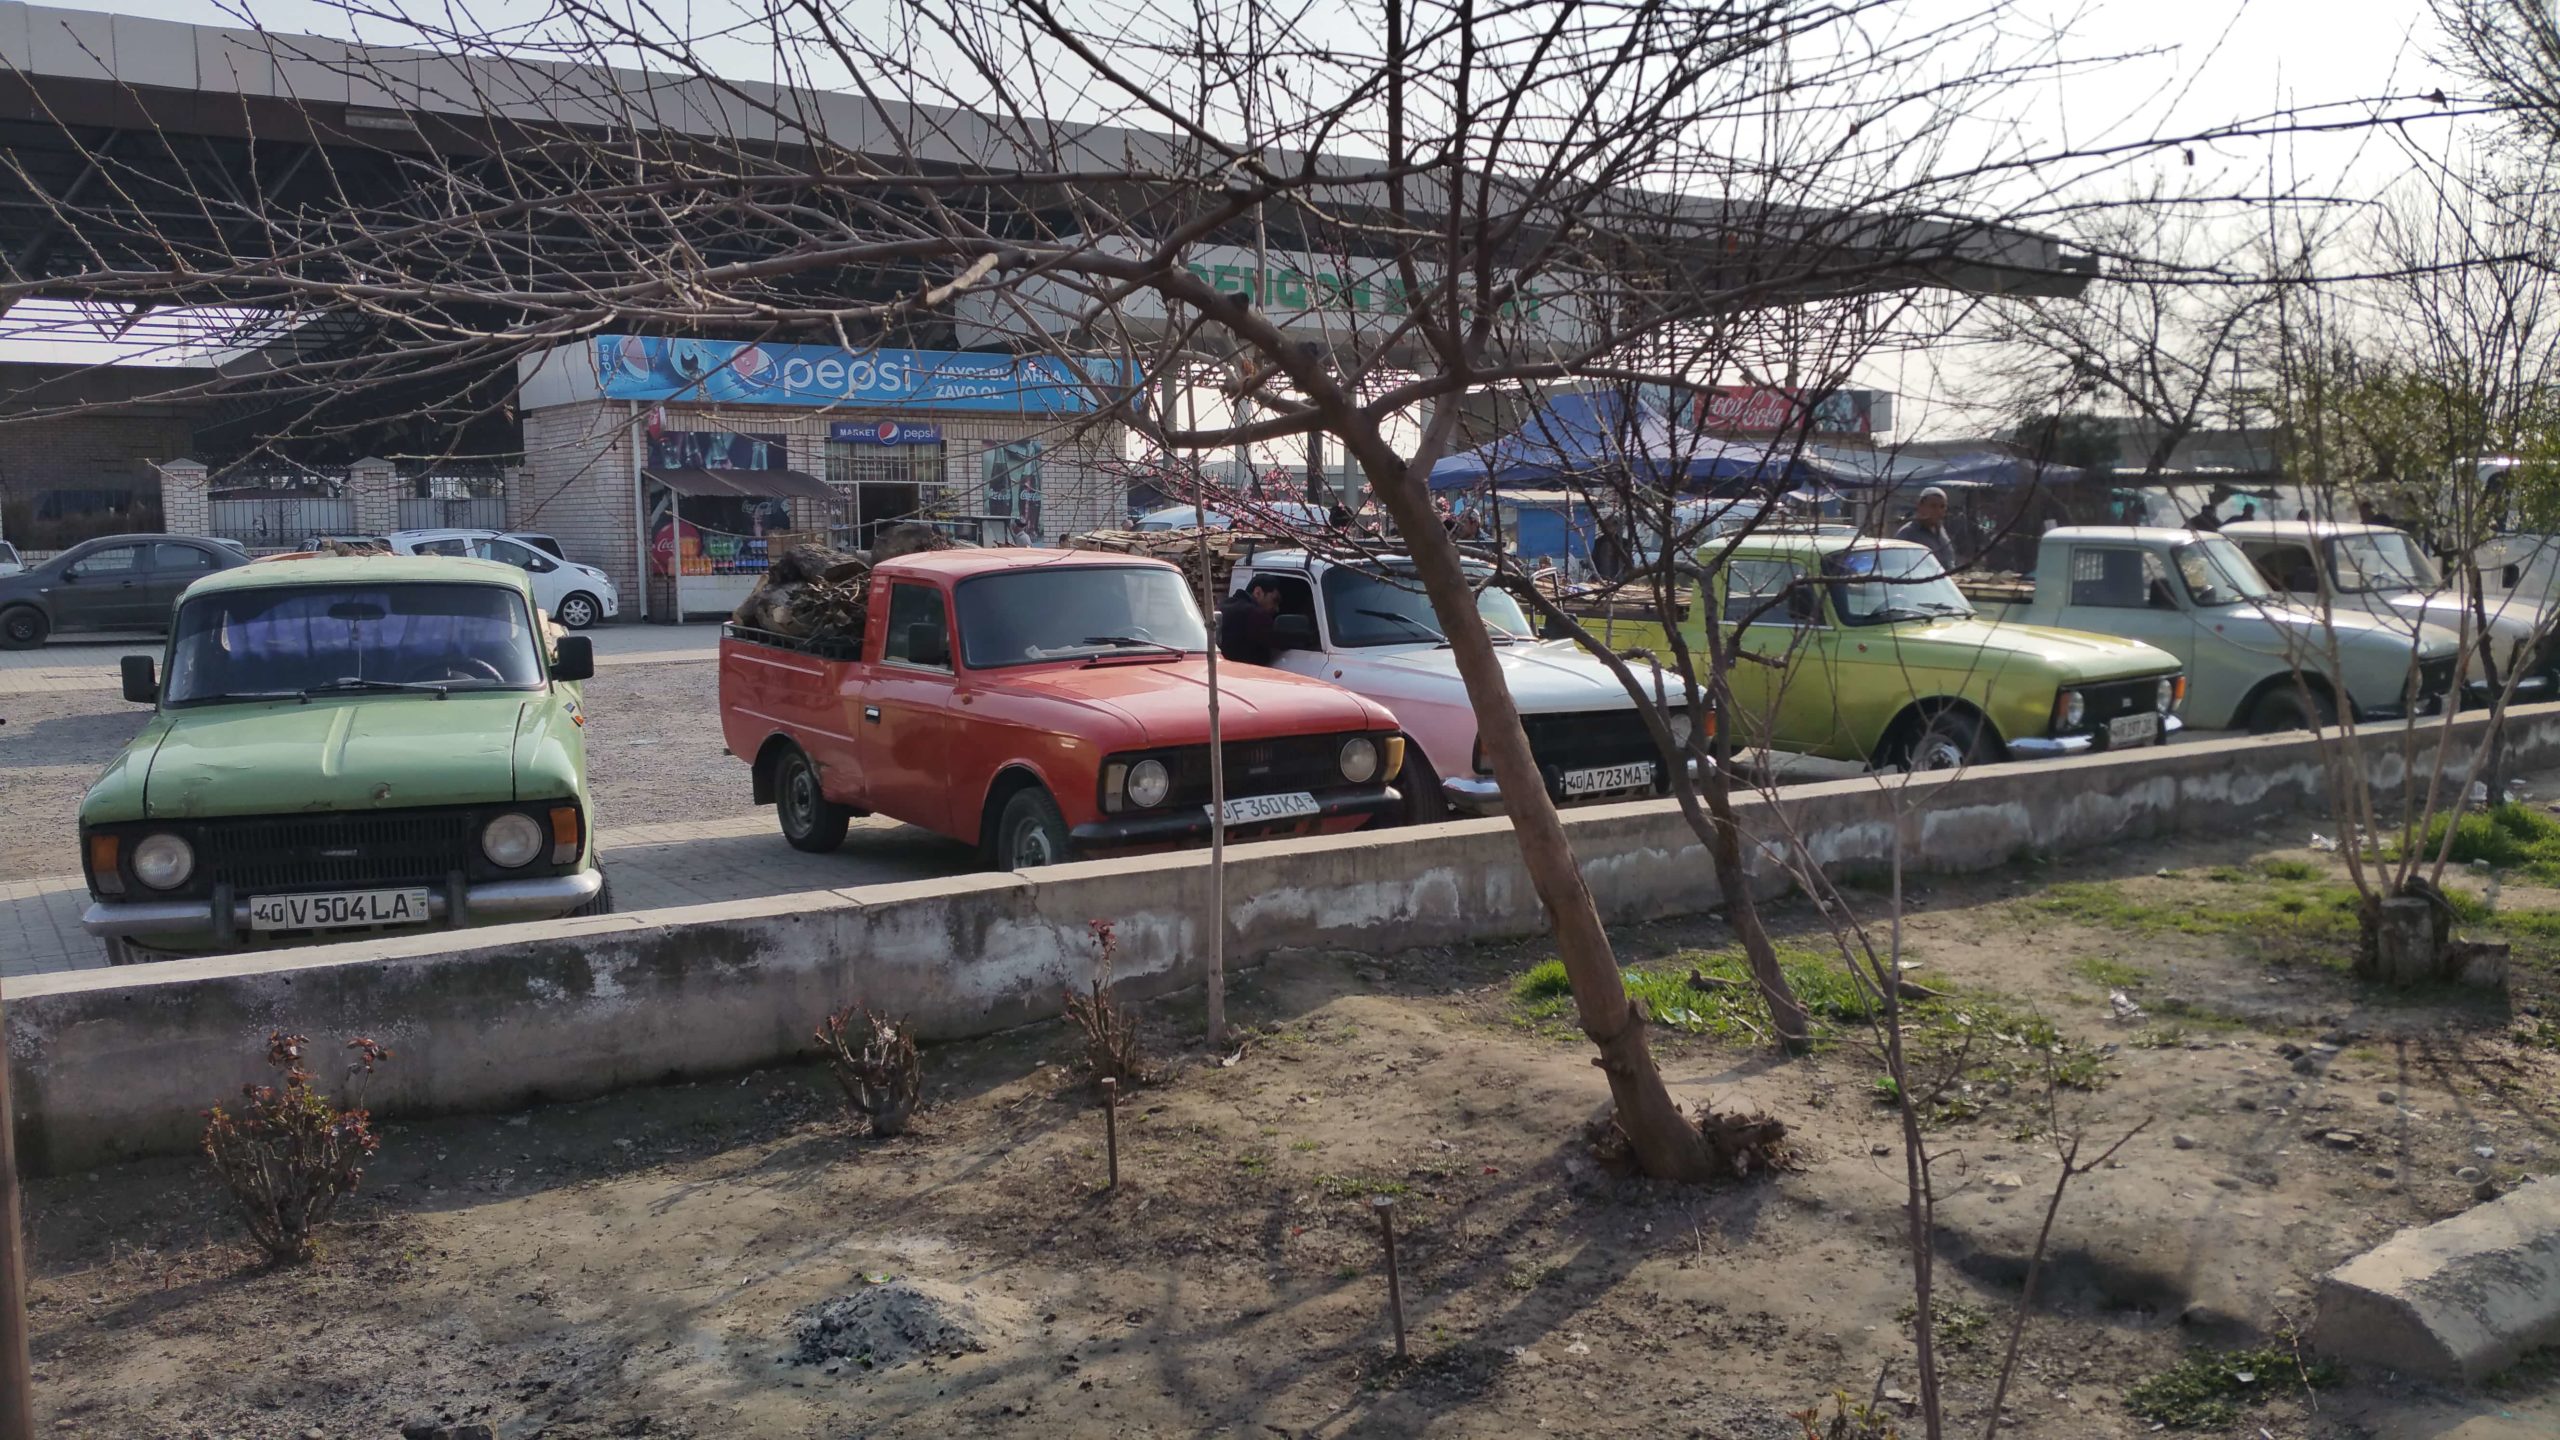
[1591,433]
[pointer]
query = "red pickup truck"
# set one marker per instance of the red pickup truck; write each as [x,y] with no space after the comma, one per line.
[1042,704]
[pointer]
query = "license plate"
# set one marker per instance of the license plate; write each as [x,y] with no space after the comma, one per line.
[339,910]
[2133,729]
[1248,809]
[1602,778]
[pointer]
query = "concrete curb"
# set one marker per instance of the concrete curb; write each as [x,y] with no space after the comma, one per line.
[107,1063]
[2457,1300]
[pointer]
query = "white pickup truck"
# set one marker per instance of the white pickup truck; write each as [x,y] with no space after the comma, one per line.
[2385,573]
[1368,628]
[2195,595]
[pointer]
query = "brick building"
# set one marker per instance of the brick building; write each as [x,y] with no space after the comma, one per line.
[66,474]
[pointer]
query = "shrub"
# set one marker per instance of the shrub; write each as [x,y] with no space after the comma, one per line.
[874,1059]
[1112,1049]
[289,1156]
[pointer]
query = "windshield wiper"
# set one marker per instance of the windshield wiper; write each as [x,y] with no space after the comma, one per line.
[1407,619]
[1897,612]
[1941,607]
[1129,642]
[355,682]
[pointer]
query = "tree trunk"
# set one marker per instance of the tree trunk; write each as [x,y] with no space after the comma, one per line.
[1724,850]
[1664,1142]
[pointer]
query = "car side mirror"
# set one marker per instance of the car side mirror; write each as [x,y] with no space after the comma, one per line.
[141,684]
[1803,606]
[927,644]
[1293,632]
[573,657]
[2511,577]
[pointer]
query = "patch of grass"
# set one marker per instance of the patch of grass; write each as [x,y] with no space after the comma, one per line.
[1359,1187]
[1253,1162]
[2283,922]
[2503,835]
[1306,1146]
[1731,1010]
[2209,1389]
[2114,974]
[1959,1326]
[2279,867]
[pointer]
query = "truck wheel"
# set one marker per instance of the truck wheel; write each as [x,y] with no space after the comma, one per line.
[2281,709]
[1423,802]
[577,611]
[1031,833]
[1950,740]
[23,628]
[603,903]
[810,821]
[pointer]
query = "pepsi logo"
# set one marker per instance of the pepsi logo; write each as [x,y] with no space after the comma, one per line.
[888,432]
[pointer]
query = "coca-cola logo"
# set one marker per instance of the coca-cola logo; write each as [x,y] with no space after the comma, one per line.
[1770,409]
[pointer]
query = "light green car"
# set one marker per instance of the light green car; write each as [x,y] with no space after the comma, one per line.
[1865,651]
[342,746]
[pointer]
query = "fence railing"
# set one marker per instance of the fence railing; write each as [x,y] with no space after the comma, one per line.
[470,512]
[280,519]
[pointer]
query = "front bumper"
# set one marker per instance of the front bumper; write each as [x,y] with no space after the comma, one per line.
[2056,747]
[1188,824]
[222,920]
[2529,690]
[1478,796]
[608,601]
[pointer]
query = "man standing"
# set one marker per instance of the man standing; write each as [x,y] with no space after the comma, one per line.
[1245,622]
[1928,526]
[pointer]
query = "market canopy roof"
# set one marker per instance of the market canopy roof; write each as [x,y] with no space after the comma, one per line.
[742,484]
[1596,432]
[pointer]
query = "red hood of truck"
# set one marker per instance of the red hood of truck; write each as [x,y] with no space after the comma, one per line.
[1166,702]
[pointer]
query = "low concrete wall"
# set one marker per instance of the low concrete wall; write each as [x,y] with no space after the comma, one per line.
[114,1062]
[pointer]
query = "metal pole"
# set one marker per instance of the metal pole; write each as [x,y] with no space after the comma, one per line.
[1111,1127]
[1385,1205]
[17,1384]
[1217,986]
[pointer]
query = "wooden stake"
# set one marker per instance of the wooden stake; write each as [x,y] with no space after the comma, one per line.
[1111,1128]
[17,1384]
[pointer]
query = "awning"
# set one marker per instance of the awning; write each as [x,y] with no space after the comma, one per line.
[742,484]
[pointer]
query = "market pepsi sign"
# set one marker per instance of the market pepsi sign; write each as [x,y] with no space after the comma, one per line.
[883,432]
[654,367]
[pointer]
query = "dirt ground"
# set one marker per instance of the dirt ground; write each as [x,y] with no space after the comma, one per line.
[653,731]
[634,1266]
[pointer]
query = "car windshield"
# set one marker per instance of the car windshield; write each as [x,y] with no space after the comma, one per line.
[2217,574]
[292,641]
[2385,562]
[1369,608]
[1066,612]
[1879,584]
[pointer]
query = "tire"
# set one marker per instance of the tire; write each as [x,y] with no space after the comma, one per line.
[810,821]
[603,903]
[578,611]
[23,627]
[1423,802]
[1031,833]
[2281,709]
[1949,740]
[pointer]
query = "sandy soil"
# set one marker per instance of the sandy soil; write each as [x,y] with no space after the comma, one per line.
[634,1266]
[653,733]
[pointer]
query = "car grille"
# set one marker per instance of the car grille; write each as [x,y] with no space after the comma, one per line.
[1259,767]
[312,852]
[2118,699]
[1583,739]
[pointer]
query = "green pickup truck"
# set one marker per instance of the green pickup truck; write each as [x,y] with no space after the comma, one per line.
[344,746]
[1861,649]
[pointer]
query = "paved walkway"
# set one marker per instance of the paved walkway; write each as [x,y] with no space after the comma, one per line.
[694,862]
[92,662]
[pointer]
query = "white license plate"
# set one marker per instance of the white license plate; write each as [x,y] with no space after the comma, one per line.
[1248,809]
[2133,729]
[1602,778]
[339,910]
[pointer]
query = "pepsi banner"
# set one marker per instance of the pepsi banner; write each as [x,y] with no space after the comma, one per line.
[883,432]
[653,367]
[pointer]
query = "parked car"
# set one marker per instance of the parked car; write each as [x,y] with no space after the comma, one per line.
[1294,514]
[10,564]
[1867,652]
[2385,572]
[1041,705]
[575,595]
[1367,627]
[345,744]
[115,582]
[2195,595]
[539,541]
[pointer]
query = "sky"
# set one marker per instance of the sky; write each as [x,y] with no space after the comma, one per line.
[2180,66]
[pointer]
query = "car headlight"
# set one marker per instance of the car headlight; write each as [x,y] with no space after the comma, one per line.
[163,862]
[1359,759]
[512,840]
[2168,696]
[1682,727]
[1149,784]
[2069,710]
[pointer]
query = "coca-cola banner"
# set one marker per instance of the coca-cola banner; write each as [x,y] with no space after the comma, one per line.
[1773,410]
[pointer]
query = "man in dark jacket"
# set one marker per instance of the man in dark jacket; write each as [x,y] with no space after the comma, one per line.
[1928,526]
[1245,622]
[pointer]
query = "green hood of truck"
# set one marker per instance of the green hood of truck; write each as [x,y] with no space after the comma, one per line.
[375,752]
[2070,657]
